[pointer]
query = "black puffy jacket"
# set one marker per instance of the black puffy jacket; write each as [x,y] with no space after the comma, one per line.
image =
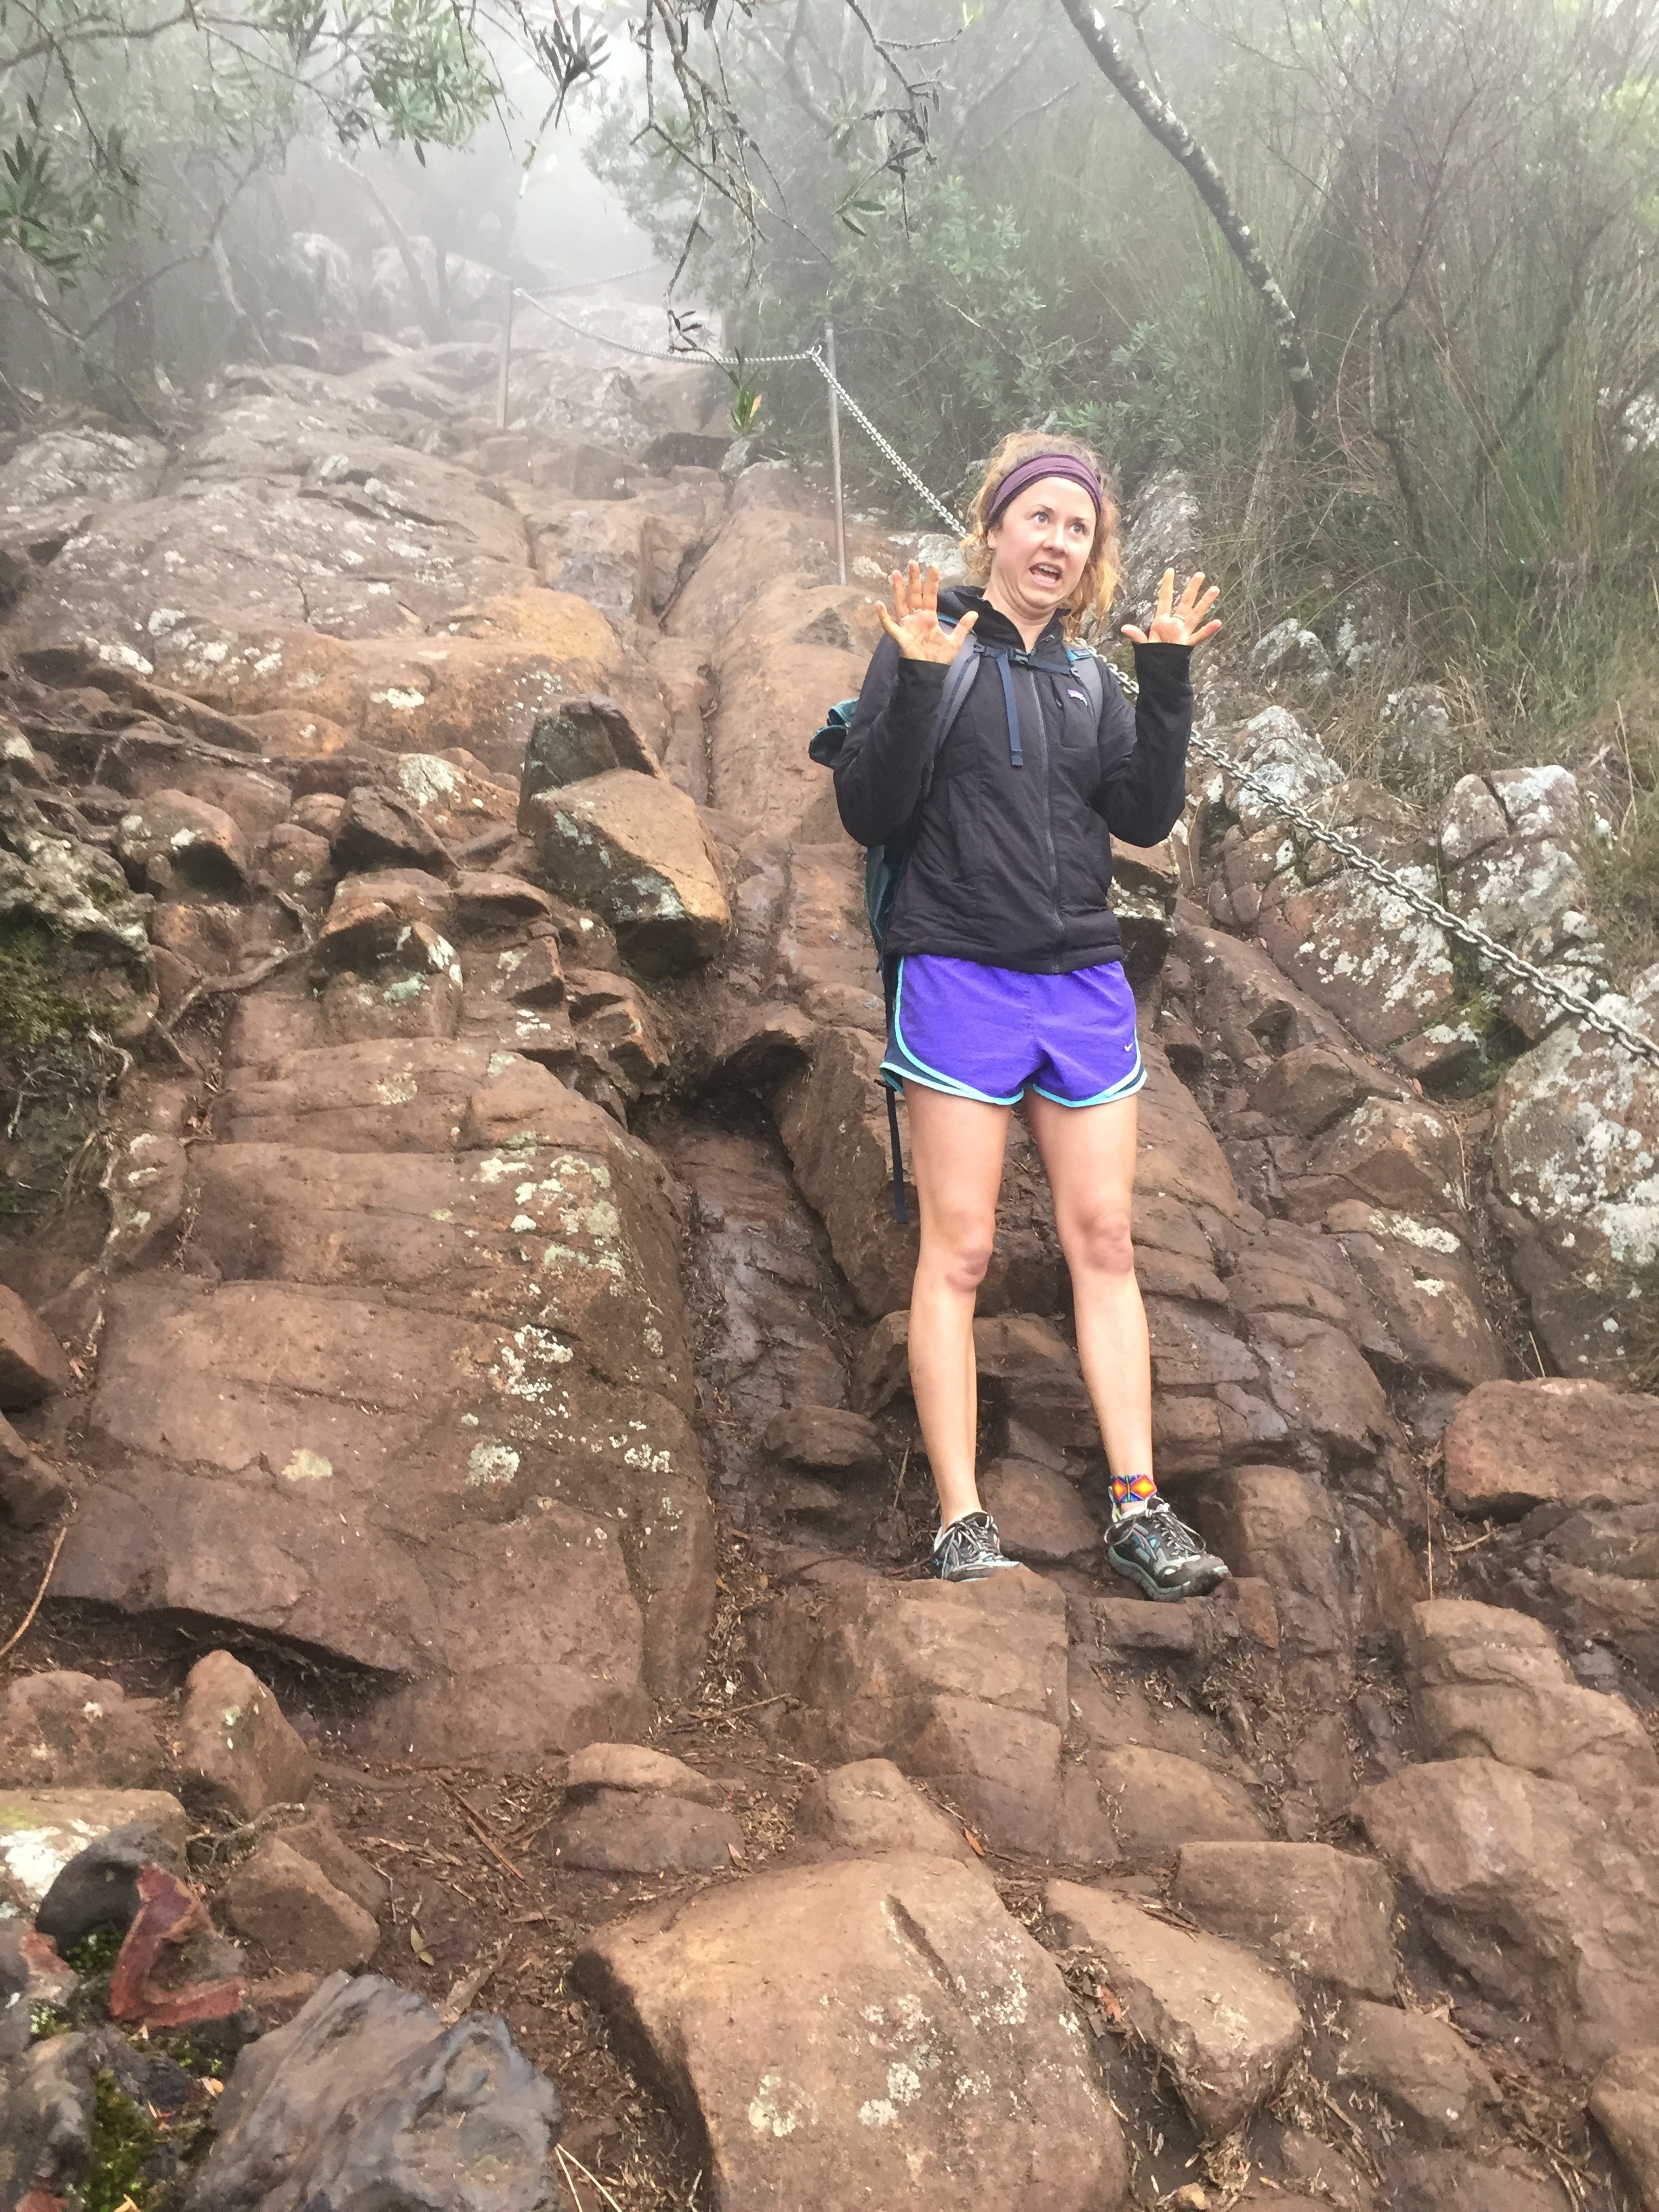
[1013,863]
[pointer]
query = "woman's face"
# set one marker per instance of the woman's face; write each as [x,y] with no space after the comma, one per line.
[1039,547]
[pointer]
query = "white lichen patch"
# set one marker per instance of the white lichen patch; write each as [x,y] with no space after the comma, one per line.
[491,1463]
[306,1466]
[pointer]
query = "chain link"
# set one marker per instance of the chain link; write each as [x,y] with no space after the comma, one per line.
[1468,932]
[953,522]
[1587,1012]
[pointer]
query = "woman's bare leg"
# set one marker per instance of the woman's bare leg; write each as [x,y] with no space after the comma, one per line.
[1089,1152]
[956,1146]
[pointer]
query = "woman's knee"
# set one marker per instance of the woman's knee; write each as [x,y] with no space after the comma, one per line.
[957,1252]
[1099,1240]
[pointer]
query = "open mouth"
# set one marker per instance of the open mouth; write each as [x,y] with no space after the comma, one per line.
[1045,571]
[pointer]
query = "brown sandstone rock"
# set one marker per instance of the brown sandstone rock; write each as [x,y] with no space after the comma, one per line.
[237,1754]
[1420,2067]
[1397,1155]
[632,848]
[371,917]
[1278,1522]
[1487,1682]
[376,831]
[1461,2181]
[1550,1910]
[1511,1446]
[282,1901]
[1227,2027]
[1038,1513]
[33,1366]
[1157,1801]
[828,1439]
[1311,1086]
[868,1809]
[314,1837]
[961,1684]
[30,1492]
[789,655]
[64,1731]
[1317,1910]
[1322,1384]
[617,1767]
[631,1831]
[1624,2098]
[175,846]
[470,1364]
[798,2021]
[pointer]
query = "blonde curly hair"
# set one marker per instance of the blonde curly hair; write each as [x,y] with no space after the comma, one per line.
[1098,582]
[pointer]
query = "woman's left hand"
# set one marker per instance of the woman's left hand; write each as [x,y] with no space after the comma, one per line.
[1178,622]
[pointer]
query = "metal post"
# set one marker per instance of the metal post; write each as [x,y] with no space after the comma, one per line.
[507,356]
[835,452]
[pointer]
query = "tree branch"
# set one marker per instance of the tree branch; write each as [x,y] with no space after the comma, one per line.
[1176,140]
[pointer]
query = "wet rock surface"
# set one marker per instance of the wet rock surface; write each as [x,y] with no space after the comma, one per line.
[480,1384]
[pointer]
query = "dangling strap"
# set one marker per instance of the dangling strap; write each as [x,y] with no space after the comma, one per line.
[1010,706]
[889,993]
[900,1215]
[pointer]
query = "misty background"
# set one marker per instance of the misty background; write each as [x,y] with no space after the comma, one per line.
[1455,206]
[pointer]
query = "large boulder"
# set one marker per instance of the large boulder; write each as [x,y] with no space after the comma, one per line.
[1487,1682]
[1511,1446]
[869,2032]
[632,848]
[1552,1911]
[435,1362]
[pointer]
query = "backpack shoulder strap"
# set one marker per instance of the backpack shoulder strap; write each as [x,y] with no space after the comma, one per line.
[1091,673]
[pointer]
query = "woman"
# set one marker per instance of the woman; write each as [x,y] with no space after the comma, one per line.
[1010,978]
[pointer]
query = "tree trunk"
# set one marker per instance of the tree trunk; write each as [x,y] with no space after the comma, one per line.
[1172,134]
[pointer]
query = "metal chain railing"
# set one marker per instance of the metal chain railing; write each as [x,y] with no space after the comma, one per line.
[1479,940]
[695,356]
[1455,925]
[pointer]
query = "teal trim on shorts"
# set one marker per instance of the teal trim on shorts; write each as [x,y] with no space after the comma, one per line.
[1135,1080]
[933,1079]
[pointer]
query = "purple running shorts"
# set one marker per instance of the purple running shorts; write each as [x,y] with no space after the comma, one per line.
[987,1033]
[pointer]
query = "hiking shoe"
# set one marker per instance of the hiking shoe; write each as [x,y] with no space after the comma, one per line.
[969,1550]
[1161,1553]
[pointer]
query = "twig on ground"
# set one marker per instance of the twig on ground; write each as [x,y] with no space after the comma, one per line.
[22,1628]
[567,2159]
[782,1698]
[479,1830]
[466,1988]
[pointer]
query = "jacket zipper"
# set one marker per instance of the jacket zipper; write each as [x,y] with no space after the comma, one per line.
[1049,813]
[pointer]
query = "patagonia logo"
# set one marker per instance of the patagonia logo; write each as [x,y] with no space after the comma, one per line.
[1082,697]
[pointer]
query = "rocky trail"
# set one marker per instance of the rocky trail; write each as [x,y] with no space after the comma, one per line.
[453,1340]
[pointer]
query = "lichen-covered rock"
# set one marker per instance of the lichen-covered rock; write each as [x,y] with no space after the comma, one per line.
[42,1830]
[872,2032]
[1576,1149]
[632,848]
[236,1752]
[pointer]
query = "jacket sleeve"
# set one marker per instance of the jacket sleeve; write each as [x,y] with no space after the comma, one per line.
[879,774]
[1144,790]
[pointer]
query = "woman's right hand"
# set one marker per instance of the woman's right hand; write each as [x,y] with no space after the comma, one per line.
[913,624]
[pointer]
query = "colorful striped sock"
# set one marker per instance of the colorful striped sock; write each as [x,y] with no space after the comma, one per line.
[1131,1494]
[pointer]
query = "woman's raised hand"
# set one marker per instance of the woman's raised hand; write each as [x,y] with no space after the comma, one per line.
[913,624]
[1183,621]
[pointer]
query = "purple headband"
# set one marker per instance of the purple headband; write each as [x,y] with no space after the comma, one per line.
[1026,473]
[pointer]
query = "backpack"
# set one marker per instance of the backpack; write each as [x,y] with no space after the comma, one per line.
[885,864]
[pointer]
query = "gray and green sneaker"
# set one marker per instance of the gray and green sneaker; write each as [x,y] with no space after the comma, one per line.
[969,1550]
[1154,1548]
